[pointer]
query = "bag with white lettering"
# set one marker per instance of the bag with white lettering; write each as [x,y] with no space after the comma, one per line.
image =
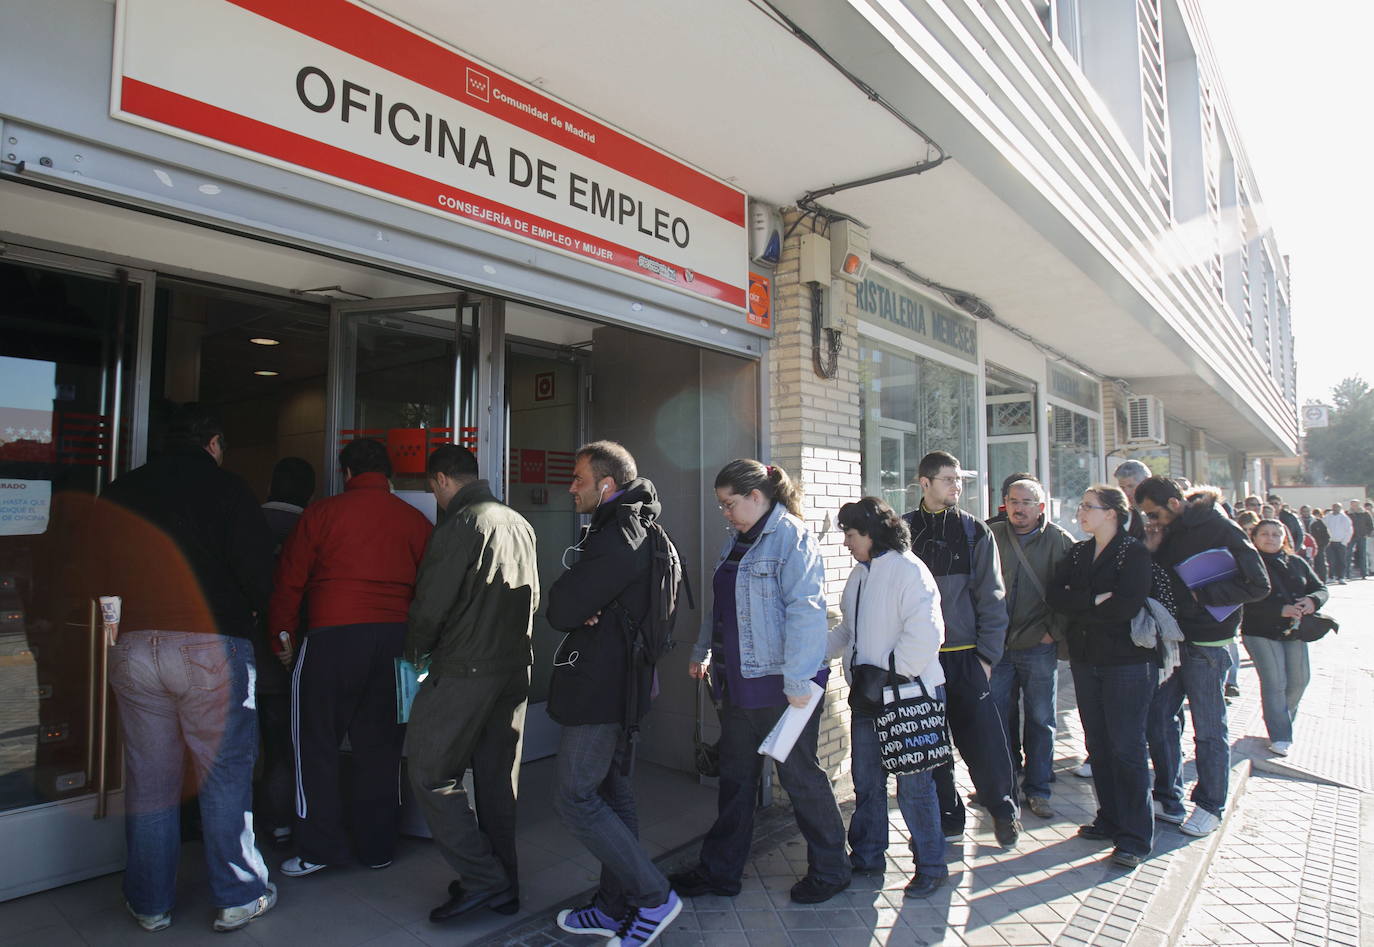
[913,731]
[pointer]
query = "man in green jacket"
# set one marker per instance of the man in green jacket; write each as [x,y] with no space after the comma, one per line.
[1030,548]
[470,622]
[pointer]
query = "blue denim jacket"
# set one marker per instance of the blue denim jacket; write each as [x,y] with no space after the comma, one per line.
[780,601]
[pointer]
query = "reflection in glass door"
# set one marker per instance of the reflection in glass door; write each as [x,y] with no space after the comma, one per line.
[66,399]
[1012,436]
[406,374]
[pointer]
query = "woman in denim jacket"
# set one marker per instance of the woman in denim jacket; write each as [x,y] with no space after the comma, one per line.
[766,645]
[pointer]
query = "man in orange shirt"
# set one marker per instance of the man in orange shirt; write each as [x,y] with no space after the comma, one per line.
[353,559]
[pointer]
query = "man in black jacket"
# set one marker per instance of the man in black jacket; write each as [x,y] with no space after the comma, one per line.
[186,547]
[1285,515]
[470,624]
[597,603]
[1364,527]
[1178,529]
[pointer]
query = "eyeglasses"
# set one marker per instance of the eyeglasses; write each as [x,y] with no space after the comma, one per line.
[1021,502]
[728,506]
[1089,506]
[947,481]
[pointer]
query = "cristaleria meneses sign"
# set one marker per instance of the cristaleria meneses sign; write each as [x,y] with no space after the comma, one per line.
[336,90]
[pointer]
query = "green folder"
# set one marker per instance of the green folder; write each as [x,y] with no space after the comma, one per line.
[408,681]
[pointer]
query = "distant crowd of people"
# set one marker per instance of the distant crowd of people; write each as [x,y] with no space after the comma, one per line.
[293,624]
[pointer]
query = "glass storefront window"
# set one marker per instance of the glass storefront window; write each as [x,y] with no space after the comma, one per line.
[1074,463]
[910,406]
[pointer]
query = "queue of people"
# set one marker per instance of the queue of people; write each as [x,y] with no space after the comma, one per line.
[344,591]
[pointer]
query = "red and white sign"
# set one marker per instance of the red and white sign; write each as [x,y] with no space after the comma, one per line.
[339,91]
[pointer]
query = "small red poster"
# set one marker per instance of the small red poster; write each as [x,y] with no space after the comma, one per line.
[544,386]
[406,448]
[532,466]
[760,302]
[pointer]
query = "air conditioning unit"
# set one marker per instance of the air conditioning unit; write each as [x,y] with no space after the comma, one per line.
[1062,431]
[1145,421]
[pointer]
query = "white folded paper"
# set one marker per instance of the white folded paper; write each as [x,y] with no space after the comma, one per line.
[780,740]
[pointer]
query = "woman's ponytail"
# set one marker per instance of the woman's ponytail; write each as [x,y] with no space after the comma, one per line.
[744,476]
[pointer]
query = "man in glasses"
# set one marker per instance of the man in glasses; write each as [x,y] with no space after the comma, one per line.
[962,556]
[1178,528]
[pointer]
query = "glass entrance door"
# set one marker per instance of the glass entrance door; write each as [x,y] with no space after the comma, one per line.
[71,334]
[405,371]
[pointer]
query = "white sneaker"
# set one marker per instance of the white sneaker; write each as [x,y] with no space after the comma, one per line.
[1163,815]
[231,919]
[1200,823]
[1084,772]
[1280,747]
[298,867]
[151,922]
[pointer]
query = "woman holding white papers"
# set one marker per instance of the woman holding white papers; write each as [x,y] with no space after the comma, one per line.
[891,609]
[766,646]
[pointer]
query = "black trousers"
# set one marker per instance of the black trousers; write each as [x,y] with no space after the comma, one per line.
[461,723]
[344,685]
[976,727]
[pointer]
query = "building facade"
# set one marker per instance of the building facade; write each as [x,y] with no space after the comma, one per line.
[523,227]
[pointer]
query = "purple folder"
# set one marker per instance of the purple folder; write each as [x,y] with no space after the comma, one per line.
[1208,566]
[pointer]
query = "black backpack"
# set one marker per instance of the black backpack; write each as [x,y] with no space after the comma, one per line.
[651,637]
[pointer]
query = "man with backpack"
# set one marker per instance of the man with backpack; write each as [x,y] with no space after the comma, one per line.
[607,606]
[962,556]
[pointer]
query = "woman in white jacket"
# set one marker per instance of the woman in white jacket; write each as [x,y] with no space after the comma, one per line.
[891,607]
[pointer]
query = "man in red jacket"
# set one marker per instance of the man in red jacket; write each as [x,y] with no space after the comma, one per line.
[353,559]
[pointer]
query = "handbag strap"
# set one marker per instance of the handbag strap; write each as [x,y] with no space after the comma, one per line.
[1025,563]
[896,684]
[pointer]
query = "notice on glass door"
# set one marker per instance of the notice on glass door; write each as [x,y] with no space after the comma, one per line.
[24,507]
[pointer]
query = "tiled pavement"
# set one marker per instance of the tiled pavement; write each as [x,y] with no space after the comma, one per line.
[1289,867]
[1284,869]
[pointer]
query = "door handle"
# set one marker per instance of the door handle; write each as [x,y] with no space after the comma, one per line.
[100,708]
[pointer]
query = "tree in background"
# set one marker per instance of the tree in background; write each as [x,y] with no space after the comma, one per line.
[1343,452]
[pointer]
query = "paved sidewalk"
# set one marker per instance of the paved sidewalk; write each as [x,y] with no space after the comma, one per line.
[1053,888]
[1285,868]
[1288,870]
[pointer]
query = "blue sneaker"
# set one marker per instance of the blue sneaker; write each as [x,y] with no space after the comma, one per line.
[588,920]
[643,925]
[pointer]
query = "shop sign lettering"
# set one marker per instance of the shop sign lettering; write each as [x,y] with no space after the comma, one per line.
[884,301]
[334,89]
[1073,387]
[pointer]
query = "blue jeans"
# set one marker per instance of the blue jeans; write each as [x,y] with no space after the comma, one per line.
[1114,705]
[1233,675]
[1036,672]
[915,797]
[725,850]
[1283,672]
[595,799]
[181,693]
[1200,678]
[1338,558]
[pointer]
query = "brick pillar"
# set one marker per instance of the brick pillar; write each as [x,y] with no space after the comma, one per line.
[815,437]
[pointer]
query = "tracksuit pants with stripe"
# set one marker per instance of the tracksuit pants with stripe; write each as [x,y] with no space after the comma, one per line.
[344,685]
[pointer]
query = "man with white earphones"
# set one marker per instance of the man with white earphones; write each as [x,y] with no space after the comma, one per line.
[597,603]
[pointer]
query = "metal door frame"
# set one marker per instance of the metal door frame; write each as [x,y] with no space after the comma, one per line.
[32,828]
[488,410]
